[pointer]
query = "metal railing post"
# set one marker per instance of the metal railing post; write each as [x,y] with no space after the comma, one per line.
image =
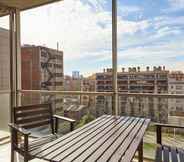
[13,70]
[114,57]
[12,52]
[18,56]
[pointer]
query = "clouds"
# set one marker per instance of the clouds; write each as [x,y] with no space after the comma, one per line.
[177,4]
[126,10]
[81,31]
[73,24]
[84,31]
[164,54]
[96,5]
[174,6]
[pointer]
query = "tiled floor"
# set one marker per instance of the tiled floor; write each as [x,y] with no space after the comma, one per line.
[5,155]
[4,134]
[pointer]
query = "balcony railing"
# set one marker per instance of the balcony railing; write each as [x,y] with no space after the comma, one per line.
[158,107]
[81,105]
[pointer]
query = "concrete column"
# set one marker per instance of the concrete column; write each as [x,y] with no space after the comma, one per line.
[12,64]
[114,57]
[18,56]
[15,58]
[12,54]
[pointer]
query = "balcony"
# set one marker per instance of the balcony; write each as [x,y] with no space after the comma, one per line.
[80,105]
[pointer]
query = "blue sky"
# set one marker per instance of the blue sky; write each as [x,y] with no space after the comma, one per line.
[150,32]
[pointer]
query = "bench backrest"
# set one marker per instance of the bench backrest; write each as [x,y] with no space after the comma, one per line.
[33,116]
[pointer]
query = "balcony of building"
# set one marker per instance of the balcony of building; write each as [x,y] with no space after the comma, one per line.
[81,106]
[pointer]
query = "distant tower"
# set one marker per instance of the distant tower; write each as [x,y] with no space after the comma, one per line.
[75,74]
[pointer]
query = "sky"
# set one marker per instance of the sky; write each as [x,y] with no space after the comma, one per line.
[150,33]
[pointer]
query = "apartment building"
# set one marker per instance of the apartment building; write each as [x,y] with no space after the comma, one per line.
[4,78]
[4,61]
[176,86]
[88,85]
[76,75]
[135,81]
[76,83]
[71,84]
[42,69]
[176,105]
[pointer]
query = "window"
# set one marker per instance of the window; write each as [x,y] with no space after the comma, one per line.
[179,87]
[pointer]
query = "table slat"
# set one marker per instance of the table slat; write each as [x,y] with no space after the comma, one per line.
[125,144]
[107,150]
[92,146]
[105,140]
[112,126]
[135,142]
[108,138]
[67,138]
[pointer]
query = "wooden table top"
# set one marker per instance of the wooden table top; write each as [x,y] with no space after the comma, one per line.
[108,138]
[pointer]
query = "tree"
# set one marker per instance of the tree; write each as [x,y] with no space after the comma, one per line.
[85,119]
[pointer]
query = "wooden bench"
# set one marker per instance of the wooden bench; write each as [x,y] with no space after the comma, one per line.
[167,153]
[29,117]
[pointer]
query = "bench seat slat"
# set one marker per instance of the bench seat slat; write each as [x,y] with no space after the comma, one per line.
[174,155]
[181,154]
[31,113]
[166,154]
[169,154]
[36,124]
[159,154]
[31,107]
[33,118]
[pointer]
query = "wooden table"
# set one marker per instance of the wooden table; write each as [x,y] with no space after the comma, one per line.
[107,138]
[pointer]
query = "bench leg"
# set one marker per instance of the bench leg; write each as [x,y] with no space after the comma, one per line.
[12,155]
[25,159]
[140,152]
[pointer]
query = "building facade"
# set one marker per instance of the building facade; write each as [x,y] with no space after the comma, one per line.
[176,86]
[76,75]
[135,81]
[71,84]
[4,78]
[5,59]
[42,69]
[176,105]
[88,85]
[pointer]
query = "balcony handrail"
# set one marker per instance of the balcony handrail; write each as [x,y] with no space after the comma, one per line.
[163,95]
[67,92]
[4,91]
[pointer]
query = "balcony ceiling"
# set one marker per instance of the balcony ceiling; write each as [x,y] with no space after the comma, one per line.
[22,4]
